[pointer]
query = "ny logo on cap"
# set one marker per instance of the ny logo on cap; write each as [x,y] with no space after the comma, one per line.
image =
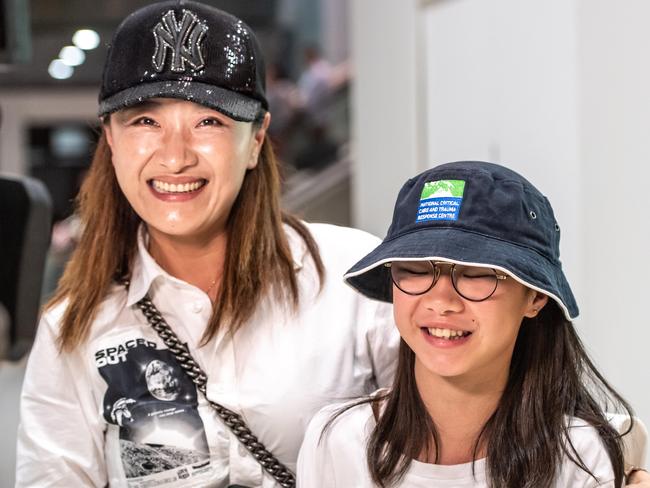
[182,38]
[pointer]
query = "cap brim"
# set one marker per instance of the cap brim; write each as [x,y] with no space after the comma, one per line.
[370,277]
[234,105]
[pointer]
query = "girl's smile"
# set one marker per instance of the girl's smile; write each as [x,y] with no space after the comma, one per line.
[452,336]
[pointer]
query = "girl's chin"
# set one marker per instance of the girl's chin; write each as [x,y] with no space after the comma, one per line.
[443,370]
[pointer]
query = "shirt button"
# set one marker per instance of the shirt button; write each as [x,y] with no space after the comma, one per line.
[243,452]
[197,307]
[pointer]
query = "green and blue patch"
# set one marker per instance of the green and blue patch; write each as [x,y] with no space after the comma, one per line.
[441,200]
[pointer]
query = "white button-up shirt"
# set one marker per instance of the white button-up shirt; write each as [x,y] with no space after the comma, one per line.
[118,410]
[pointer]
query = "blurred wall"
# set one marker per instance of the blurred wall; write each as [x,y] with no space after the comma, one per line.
[20,108]
[556,90]
[614,109]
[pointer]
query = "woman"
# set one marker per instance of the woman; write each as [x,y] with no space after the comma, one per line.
[493,386]
[180,213]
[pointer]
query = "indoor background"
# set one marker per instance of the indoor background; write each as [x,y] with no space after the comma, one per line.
[559,90]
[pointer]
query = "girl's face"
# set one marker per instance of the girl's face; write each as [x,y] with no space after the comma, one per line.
[456,338]
[180,164]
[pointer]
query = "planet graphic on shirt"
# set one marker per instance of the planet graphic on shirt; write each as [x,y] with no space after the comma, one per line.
[161,382]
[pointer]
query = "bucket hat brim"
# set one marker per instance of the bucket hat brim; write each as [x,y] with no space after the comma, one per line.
[370,277]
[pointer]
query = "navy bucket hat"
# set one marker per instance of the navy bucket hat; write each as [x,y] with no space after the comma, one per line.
[186,50]
[474,213]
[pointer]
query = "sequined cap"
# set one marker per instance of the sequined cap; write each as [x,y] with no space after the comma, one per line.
[186,50]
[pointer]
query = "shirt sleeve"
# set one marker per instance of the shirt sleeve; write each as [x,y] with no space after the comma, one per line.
[60,435]
[381,342]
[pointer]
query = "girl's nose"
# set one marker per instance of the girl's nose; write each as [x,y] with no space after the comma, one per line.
[443,297]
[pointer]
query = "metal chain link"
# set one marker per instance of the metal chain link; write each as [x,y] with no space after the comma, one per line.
[233,420]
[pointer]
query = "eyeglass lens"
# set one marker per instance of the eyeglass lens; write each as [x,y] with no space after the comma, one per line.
[417,277]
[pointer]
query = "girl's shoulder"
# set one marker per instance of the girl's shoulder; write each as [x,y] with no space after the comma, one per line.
[339,421]
[333,452]
[589,447]
[581,433]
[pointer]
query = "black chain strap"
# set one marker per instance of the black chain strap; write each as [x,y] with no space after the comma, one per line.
[233,420]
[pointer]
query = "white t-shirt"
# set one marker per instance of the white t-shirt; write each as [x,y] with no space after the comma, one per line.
[338,459]
[118,411]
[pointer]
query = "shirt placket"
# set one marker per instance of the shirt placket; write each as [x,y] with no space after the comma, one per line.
[222,388]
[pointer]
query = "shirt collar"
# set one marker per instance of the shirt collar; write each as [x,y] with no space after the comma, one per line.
[146,270]
[297,245]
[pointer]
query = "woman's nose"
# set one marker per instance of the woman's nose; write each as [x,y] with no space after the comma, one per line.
[176,151]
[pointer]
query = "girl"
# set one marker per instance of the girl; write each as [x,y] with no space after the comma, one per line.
[189,286]
[493,386]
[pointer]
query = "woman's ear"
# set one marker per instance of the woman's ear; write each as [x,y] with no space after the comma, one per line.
[536,302]
[258,140]
[106,127]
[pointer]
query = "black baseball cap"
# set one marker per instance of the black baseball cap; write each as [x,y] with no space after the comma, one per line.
[186,50]
[475,213]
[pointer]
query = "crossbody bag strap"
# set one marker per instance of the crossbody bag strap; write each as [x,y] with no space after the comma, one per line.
[233,420]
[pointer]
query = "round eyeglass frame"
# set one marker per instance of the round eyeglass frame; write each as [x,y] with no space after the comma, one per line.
[452,273]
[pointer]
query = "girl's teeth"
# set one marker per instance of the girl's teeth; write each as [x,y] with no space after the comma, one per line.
[447,333]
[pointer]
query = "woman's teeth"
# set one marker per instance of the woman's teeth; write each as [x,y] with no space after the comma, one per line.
[447,333]
[164,187]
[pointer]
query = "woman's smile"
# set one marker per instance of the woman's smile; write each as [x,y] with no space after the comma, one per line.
[175,158]
[177,190]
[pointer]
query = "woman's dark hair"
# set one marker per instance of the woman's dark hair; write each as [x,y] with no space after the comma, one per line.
[551,378]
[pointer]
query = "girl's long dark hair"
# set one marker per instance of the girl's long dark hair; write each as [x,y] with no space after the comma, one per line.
[551,378]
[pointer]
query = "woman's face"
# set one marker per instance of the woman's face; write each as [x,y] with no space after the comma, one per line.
[180,164]
[456,338]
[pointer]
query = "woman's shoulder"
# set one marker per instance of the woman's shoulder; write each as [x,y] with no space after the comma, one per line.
[108,309]
[337,235]
[338,247]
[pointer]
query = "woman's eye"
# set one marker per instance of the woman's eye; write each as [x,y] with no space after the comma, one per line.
[214,122]
[144,121]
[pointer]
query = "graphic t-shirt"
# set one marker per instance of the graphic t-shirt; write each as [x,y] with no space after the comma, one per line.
[154,404]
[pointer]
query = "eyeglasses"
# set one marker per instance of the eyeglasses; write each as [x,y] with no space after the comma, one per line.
[474,283]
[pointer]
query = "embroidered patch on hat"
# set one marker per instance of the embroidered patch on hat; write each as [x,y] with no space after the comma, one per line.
[441,200]
[181,39]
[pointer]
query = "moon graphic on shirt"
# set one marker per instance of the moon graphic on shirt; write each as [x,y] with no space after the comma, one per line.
[161,381]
